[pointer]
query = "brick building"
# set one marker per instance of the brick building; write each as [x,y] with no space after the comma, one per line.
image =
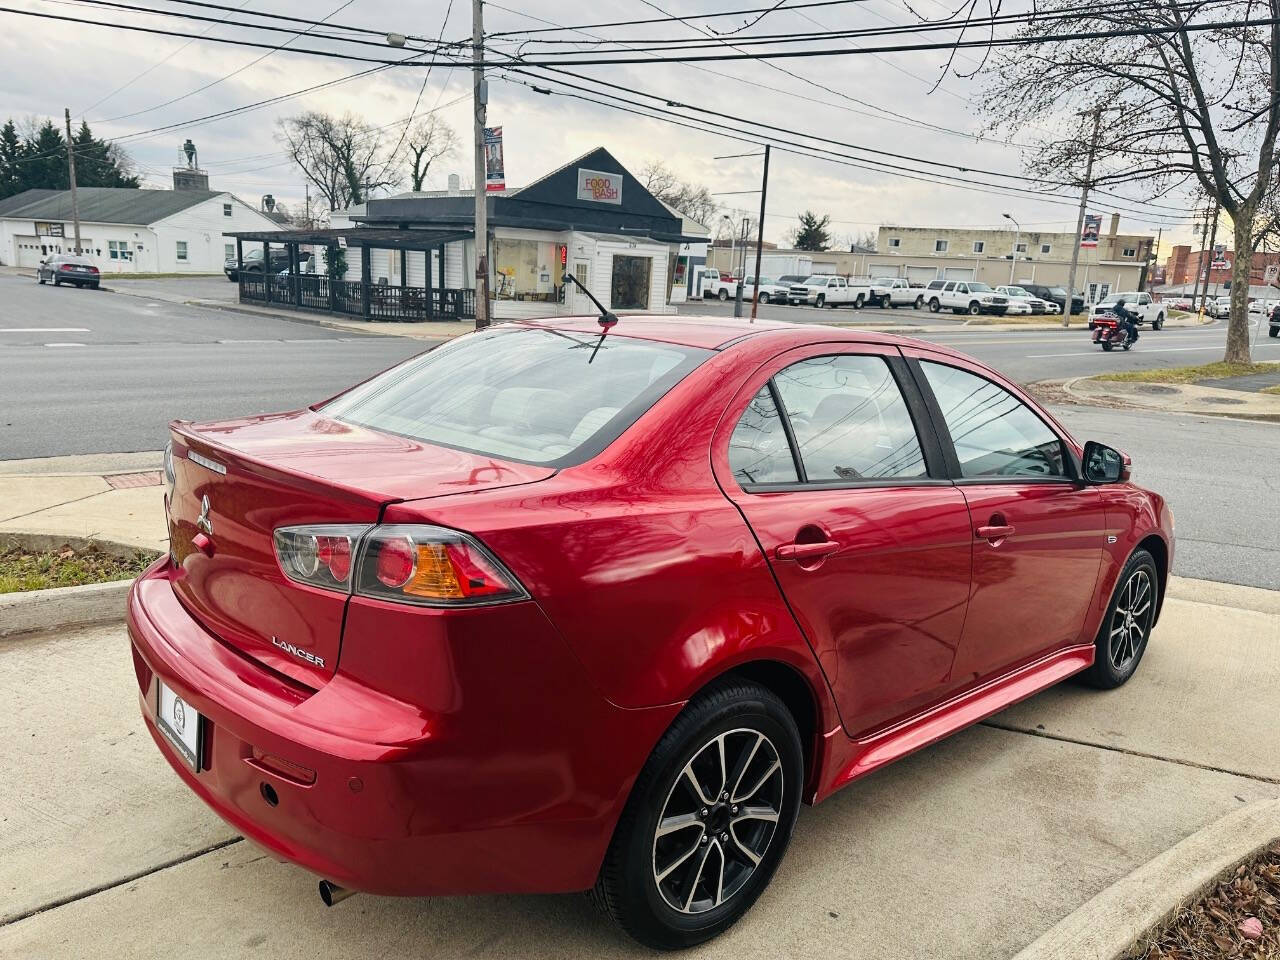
[1181,267]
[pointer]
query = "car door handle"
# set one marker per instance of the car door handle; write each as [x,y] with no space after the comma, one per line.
[994,531]
[806,551]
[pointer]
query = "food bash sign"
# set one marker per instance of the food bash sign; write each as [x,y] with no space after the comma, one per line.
[599,187]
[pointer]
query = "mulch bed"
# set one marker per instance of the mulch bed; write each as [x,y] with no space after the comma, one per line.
[1238,919]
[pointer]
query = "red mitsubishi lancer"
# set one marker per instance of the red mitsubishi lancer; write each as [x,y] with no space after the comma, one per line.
[551,608]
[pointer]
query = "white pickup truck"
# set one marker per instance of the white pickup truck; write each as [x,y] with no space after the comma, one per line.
[896,292]
[822,290]
[1148,310]
[722,287]
[965,296]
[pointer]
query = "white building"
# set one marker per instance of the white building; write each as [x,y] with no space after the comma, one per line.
[128,231]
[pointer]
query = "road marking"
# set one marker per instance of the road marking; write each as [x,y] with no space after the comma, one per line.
[44,330]
[64,344]
[1091,353]
[246,341]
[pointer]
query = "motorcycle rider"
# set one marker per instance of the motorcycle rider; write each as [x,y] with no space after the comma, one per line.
[1127,318]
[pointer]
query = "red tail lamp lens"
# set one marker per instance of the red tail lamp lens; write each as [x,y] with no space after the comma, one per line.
[476,576]
[396,560]
[335,553]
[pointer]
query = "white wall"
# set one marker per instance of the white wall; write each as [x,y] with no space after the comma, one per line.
[202,227]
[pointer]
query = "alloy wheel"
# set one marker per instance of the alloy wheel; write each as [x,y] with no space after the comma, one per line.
[718,820]
[1131,620]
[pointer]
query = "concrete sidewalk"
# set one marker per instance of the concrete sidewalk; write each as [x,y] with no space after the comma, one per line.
[117,497]
[969,849]
[1169,397]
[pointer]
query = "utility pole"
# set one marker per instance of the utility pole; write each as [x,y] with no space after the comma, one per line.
[1084,202]
[764,193]
[307,216]
[71,176]
[1204,238]
[741,270]
[480,101]
[1213,238]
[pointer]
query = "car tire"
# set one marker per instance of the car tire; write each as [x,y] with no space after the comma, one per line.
[57,282]
[935,305]
[1107,345]
[860,302]
[723,294]
[40,279]
[820,301]
[919,302]
[1273,332]
[1158,323]
[1116,661]
[975,308]
[764,298]
[751,724]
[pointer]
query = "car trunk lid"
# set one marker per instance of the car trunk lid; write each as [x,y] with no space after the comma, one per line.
[237,481]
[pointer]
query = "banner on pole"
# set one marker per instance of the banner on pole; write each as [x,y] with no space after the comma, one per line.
[1220,261]
[494,177]
[1092,228]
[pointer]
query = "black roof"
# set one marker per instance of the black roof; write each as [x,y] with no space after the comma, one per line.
[360,237]
[104,204]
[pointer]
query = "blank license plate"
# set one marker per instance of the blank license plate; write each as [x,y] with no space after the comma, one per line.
[181,725]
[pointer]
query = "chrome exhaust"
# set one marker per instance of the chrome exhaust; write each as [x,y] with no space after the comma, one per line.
[331,893]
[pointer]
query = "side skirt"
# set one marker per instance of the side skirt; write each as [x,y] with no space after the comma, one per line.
[847,759]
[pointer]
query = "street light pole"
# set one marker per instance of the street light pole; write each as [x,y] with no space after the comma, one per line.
[480,99]
[1017,236]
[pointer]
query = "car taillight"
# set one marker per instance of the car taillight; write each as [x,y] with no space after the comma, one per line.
[432,566]
[65,266]
[320,556]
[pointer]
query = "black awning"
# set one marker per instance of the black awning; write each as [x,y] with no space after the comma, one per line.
[359,237]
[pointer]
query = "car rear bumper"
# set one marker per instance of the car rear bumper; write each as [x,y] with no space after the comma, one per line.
[472,789]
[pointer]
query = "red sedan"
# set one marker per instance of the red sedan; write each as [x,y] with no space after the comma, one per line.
[550,609]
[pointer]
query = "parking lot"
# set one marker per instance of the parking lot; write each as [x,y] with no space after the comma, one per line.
[969,848]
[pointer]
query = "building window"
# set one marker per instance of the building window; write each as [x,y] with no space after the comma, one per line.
[1130,252]
[940,246]
[118,250]
[1045,248]
[978,245]
[182,250]
[229,250]
[1020,247]
[226,209]
[526,270]
[629,289]
[895,243]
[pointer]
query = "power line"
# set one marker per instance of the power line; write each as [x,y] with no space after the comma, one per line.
[666,19]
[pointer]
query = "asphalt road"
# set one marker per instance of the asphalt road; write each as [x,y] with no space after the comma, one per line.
[94,372]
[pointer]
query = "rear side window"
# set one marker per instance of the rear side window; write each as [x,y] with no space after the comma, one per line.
[995,434]
[758,449]
[849,420]
[525,395]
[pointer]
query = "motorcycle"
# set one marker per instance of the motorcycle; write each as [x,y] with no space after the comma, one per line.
[1108,333]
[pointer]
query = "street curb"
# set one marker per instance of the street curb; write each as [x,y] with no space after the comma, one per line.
[62,607]
[1110,925]
[1117,403]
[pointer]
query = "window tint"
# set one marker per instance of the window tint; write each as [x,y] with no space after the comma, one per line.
[995,434]
[758,448]
[849,419]
[527,395]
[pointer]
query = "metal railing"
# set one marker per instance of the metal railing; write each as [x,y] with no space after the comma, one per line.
[385,303]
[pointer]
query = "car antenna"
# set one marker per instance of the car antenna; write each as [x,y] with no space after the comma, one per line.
[607,320]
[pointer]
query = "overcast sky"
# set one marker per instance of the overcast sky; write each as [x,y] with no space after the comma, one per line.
[49,65]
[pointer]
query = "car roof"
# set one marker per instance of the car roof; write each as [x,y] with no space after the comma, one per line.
[718,333]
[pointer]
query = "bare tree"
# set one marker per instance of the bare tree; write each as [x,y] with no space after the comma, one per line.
[343,157]
[1187,95]
[693,200]
[429,140]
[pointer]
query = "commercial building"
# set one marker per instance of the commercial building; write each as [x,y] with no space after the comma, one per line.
[1118,262]
[1184,263]
[413,256]
[127,231]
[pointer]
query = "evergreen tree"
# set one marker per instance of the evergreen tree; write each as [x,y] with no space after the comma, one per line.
[38,160]
[812,234]
[99,163]
[44,160]
[10,151]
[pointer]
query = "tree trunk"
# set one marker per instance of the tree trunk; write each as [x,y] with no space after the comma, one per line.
[1238,324]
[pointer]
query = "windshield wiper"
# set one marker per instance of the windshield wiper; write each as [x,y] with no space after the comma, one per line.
[607,319]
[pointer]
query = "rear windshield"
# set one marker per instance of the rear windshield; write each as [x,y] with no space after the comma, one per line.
[525,395]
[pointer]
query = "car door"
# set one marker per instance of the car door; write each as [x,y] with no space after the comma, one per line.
[1038,533]
[833,464]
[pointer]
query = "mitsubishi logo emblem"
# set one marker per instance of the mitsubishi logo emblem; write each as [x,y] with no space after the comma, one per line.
[179,716]
[203,522]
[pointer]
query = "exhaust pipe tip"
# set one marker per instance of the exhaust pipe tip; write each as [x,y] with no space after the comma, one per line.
[331,893]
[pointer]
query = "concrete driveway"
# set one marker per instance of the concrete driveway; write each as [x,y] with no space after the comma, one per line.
[969,849]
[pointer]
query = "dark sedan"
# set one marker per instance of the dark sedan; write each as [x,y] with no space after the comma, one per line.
[66,268]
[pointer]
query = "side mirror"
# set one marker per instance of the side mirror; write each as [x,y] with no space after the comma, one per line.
[1103,464]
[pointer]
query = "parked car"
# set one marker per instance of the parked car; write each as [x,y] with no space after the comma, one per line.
[1148,310]
[253,263]
[1179,303]
[966,296]
[896,292]
[1056,295]
[408,638]
[1219,307]
[770,290]
[786,280]
[68,268]
[723,287]
[822,290]
[1023,297]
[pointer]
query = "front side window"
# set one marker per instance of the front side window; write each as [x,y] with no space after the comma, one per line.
[849,420]
[758,449]
[526,395]
[182,249]
[630,287]
[995,434]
